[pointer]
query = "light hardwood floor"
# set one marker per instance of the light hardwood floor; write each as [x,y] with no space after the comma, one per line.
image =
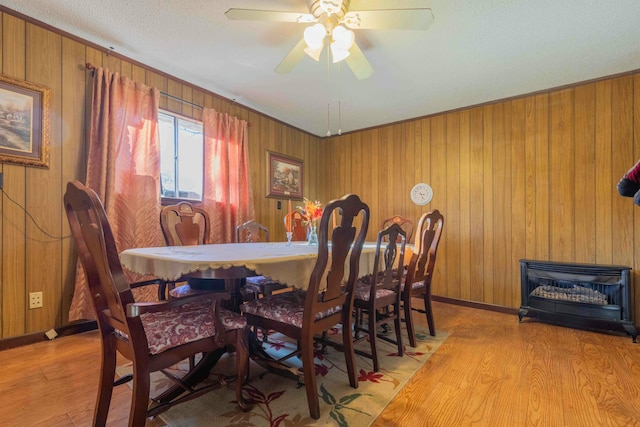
[491,371]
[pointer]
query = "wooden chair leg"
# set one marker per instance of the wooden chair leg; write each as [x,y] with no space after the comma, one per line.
[408,320]
[242,367]
[309,370]
[105,389]
[373,338]
[397,322]
[349,352]
[429,312]
[139,397]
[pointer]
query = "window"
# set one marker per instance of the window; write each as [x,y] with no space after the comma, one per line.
[181,157]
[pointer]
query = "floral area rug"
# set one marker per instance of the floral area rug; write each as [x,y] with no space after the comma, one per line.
[278,402]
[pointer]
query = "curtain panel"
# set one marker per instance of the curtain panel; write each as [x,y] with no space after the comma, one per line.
[123,168]
[228,196]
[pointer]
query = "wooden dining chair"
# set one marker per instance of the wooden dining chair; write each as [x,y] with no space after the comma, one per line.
[252,232]
[405,223]
[298,228]
[417,283]
[378,294]
[184,224]
[328,299]
[153,335]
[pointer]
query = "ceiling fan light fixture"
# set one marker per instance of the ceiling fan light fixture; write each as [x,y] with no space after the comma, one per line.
[342,40]
[338,54]
[314,36]
[342,37]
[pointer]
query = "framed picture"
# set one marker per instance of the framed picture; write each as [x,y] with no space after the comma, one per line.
[24,123]
[284,176]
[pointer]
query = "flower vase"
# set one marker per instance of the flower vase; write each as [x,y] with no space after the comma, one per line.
[312,238]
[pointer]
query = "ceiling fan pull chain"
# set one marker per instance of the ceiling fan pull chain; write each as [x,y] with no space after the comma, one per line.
[340,98]
[339,118]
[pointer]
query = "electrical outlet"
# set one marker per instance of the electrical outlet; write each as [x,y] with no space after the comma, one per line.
[35,300]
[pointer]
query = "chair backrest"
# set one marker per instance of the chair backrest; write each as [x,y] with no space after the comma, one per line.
[252,232]
[184,224]
[405,223]
[385,266]
[423,260]
[328,286]
[98,254]
[299,230]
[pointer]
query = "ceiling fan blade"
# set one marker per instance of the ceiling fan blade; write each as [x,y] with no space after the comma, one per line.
[355,5]
[269,15]
[292,59]
[358,63]
[391,19]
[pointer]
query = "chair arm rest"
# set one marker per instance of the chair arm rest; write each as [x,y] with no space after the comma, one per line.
[137,308]
[147,283]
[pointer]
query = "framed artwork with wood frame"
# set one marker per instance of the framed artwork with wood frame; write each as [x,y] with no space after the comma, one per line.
[285,176]
[24,123]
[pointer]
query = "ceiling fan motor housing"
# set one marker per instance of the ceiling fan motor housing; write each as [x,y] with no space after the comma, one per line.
[320,7]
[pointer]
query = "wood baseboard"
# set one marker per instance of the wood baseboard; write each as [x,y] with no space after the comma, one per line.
[70,329]
[473,304]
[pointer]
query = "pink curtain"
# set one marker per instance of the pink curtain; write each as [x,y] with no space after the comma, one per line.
[123,167]
[228,196]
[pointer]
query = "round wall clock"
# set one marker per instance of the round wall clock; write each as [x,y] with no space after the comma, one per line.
[421,194]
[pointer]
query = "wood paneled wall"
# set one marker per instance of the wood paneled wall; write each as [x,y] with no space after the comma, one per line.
[534,177]
[34,261]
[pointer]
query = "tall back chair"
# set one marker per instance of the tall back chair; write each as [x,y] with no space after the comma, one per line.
[251,232]
[376,293]
[328,299]
[146,333]
[299,230]
[420,271]
[184,224]
[405,223]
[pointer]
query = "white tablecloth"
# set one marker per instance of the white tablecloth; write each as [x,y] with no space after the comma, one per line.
[291,265]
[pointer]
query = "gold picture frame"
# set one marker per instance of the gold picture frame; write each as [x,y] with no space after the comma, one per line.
[285,176]
[24,123]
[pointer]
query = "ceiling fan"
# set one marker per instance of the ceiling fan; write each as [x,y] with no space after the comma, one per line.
[334,19]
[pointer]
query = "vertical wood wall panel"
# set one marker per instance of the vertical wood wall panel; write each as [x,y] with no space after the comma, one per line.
[622,159]
[585,176]
[13,216]
[562,169]
[543,216]
[43,230]
[452,205]
[518,198]
[465,210]
[73,152]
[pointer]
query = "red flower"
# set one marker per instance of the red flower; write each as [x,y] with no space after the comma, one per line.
[371,376]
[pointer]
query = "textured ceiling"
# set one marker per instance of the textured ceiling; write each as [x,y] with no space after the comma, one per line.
[475,51]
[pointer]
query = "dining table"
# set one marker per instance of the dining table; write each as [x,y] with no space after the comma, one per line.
[288,263]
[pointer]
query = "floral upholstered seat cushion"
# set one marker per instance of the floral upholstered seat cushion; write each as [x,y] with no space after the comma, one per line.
[363,292]
[287,307]
[186,323]
[414,285]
